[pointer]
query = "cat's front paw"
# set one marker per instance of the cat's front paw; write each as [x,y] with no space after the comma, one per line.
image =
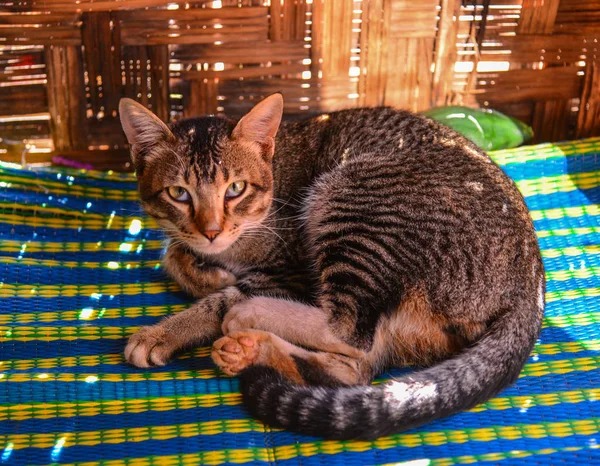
[150,346]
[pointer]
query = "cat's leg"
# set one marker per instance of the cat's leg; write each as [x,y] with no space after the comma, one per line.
[200,324]
[196,280]
[293,321]
[239,350]
[354,233]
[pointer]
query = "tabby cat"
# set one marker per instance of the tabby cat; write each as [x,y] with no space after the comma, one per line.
[322,252]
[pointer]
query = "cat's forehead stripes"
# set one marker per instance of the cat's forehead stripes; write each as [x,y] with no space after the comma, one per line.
[203,140]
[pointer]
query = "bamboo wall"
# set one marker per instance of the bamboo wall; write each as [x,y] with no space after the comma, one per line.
[64,64]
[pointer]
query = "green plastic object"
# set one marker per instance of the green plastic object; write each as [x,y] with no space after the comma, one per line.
[489,129]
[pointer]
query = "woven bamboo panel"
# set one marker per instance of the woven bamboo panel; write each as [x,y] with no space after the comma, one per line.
[64,64]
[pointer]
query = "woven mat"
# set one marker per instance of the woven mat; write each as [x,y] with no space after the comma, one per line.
[79,273]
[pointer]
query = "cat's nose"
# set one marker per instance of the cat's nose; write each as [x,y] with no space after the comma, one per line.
[211,234]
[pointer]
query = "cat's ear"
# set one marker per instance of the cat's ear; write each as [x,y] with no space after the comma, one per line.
[142,128]
[261,124]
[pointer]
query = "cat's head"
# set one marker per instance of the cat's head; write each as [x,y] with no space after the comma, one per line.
[205,180]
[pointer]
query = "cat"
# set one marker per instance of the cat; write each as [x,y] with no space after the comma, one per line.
[324,251]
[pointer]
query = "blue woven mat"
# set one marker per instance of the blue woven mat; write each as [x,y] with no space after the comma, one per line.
[79,273]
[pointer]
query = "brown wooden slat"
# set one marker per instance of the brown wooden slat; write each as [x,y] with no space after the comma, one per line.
[555,48]
[410,19]
[559,83]
[59,35]
[579,17]
[579,5]
[19,130]
[88,6]
[246,72]
[243,52]
[43,18]
[18,100]
[16,74]
[193,36]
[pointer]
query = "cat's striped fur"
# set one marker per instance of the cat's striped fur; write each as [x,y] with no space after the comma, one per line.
[388,240]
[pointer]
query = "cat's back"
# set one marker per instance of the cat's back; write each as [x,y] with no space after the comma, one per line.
[413,147]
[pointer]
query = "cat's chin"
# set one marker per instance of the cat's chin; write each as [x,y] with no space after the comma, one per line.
[212,248]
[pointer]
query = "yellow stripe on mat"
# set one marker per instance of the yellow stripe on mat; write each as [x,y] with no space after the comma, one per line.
[90,315]
[21,412]
[95,332]
[116,222]
[12,290]
[151,245]
[236,426]
[494,457]
[109,359]
[112,359]
[538,369]
[111,265]
[562,212]
[547,151]
[115,377]
[559,183]
[100,246]
[38,185]
[97,221]
[332,447]
[571,251]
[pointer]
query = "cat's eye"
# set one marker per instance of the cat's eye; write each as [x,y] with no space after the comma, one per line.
[178,193]
[235,189]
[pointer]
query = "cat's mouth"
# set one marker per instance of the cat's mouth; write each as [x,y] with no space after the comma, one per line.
[203,245]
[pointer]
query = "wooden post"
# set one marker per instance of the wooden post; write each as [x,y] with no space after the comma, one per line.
[588,121]
[374,49]
[66,97]
[146,69]
[445,51]
[549,118]
[538,17]
[203,97]
[159,77]
[103,62]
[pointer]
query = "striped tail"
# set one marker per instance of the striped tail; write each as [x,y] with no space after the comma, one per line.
[369,412]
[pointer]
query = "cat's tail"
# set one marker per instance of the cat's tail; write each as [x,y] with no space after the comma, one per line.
[368,412]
